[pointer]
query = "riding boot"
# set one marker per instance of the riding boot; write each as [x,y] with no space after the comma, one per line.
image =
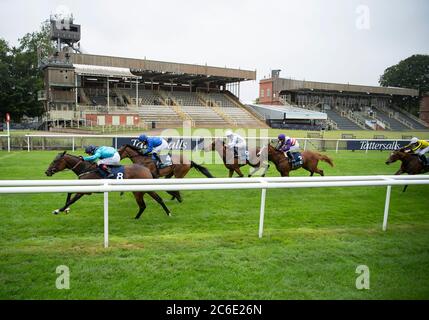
[289,155]
[106,169]
[423,159]
[157,162]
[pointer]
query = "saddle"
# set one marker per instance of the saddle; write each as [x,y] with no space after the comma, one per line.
[118,172]
[296,161]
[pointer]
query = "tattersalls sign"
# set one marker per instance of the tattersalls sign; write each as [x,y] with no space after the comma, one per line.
[375,144]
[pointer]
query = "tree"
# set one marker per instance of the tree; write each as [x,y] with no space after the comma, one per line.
[20,76]
[412,73]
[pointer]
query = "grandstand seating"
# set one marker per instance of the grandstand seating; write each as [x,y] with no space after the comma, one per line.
[394,124]
[342,122]
[185,98]
[163,116]
[202,115]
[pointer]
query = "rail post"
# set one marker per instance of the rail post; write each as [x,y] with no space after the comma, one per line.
[73,144]
[106,218]
[28,143]
[336,147]
[386,207]
[262,211]
[305,144]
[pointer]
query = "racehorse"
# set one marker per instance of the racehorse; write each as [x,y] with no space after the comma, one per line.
[179,169]
[310,160]
[232,164]
[410,163]
[87,170]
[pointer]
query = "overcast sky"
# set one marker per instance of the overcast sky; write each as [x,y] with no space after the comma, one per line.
[346,41]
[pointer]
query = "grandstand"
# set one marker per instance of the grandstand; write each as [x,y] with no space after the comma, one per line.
[349,107]
[157,94]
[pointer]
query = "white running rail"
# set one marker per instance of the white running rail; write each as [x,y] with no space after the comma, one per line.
[106,186]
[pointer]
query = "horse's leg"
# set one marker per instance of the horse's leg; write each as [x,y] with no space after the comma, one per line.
[67,200]
[231,172]
[158,199]
[76,197]
[253,171]
[319,171]
[174,194]
[140,202]
[239,172]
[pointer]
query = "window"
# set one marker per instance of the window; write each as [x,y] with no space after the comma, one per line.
[116,120]
[130,120]
[262,93]
[268,93]
[101,120]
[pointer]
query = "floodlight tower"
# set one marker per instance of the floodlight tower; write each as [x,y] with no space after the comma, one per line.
[64,32]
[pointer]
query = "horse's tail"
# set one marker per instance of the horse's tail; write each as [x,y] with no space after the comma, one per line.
[201,169]
[326,159]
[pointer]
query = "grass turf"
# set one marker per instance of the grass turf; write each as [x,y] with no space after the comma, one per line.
[313,240]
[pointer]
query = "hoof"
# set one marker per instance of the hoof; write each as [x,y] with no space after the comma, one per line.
[56,211]
[67,211]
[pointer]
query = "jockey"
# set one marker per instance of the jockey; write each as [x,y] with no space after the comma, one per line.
[237,143]
[287,145]
[105,155]
[155,145]
[419,147]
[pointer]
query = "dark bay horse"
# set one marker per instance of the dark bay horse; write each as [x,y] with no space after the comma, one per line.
[410,163]
[87,170]
[179,169]
[310,161]
[233,164]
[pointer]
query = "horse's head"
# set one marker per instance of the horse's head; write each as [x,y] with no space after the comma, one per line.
[129,151]
[57,165]
[395,156]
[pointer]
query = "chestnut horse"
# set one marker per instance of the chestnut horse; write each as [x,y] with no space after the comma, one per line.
[233,165]
[180,167]
[87,170]
[310,160]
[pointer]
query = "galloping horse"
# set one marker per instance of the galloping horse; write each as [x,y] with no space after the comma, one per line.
[232,164]
[310,160]
[87,170]
[410,163]
[179,169]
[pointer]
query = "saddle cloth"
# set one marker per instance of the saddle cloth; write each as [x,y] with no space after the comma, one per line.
[117,171]
[165,161]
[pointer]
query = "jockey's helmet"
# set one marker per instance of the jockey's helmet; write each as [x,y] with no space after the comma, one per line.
[281,136]
[414,140]
[143,138]
[228,133]
[90,149]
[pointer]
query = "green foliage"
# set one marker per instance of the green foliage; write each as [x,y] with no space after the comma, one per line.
[413,73]
[20,77]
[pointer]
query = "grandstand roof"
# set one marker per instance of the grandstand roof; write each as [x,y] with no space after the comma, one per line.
[159,71]
[84,69]
[281,84]
[287,112]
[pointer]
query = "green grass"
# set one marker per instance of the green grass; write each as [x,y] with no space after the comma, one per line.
[209,249]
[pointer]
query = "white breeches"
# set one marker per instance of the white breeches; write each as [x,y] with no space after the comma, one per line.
[241,145]
[294,148]
[162,146]
[423,151]
[115,160]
